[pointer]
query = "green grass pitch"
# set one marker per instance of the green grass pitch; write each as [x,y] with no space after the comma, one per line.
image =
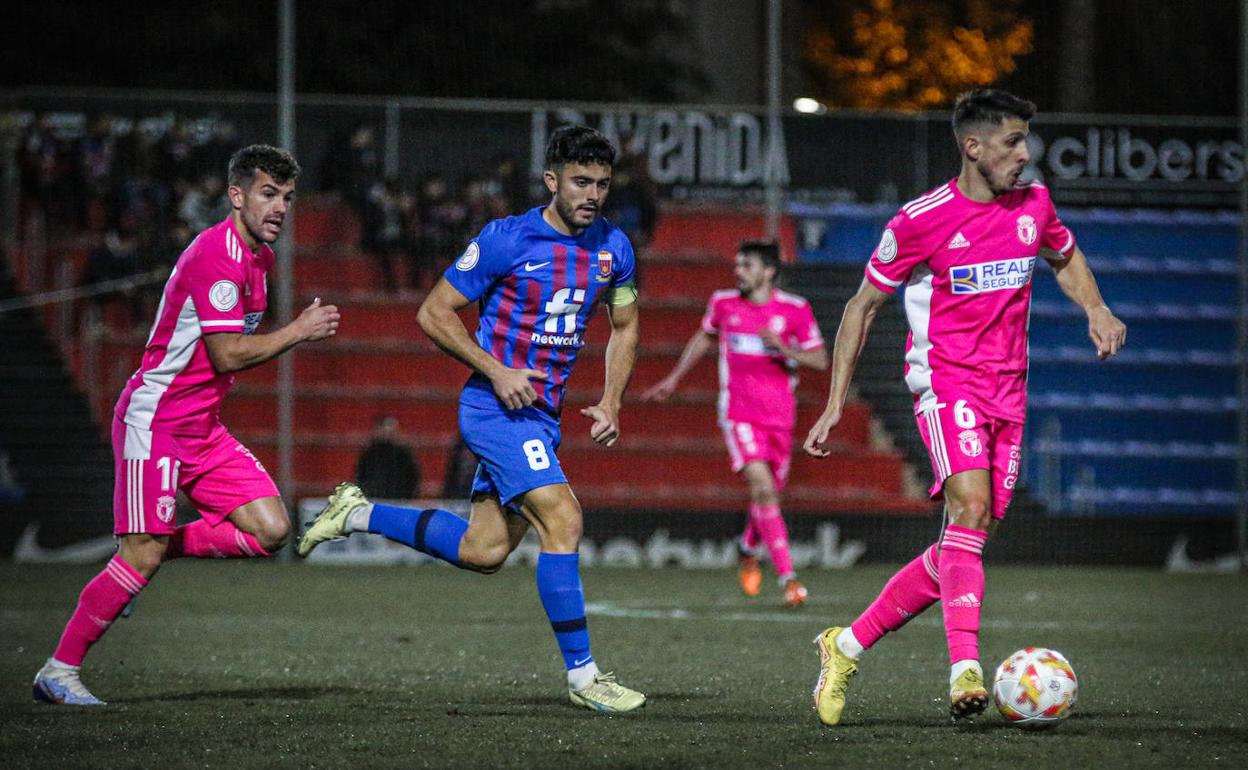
[292,665]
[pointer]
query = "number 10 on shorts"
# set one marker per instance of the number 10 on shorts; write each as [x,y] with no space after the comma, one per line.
[535,451]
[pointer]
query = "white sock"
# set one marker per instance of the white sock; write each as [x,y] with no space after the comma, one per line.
[848,644]
[54,663]
[956,670]
[583,676]
[358,519]
[782,579]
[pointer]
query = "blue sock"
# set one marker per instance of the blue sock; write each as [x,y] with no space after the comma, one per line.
[559,586]
[431,530]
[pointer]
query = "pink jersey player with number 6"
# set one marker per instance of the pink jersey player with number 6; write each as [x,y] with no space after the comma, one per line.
[965,252]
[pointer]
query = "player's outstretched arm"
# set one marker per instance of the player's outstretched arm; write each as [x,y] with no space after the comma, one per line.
[234,352]
[698,346]
[439,318]
[621,355]
[856,322]
[1075,278]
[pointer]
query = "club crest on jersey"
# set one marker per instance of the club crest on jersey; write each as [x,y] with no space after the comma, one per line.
[165,507]
[468,260]
[991,276]
[223,295]
[968,442]
[1027,229]
[887,250]
[604,266]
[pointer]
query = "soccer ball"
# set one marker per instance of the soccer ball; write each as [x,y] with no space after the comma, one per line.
[1035,688]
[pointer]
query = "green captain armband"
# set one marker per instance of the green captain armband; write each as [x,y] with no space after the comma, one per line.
[622,295]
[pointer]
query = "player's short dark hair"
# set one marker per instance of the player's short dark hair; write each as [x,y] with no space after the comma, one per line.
[989,106]
[768,252]
[274,161]
[578,144]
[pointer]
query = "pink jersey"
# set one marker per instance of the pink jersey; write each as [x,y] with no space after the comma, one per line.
[218,285]
[967,267]
[756,382]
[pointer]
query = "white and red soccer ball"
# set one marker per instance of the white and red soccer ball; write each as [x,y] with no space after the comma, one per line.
[1035,688]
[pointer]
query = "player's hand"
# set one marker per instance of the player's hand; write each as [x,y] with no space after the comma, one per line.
[606,427]
[1107,332]
[513,388]
[660,391]
[816,441]
[771,339]
[318,321]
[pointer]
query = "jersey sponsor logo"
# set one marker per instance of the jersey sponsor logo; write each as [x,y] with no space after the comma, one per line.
[557,340]
[1027,229]
[468,260]
[968,442]
[748,344]
[223,295]
[991,276]
[887,250]
[251,321]
[604,267]
[959,241]
[530,267]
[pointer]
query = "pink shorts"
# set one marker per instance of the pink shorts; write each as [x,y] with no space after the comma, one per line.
[216,472]
[960,437]
[749,443]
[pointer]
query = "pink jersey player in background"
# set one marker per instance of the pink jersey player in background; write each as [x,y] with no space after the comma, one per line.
[764,335]
[965,252]
[167,433]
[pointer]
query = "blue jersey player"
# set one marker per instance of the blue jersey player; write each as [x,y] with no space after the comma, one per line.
[538,278]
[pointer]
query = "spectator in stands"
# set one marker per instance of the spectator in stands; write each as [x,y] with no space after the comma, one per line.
[440,226]
[204,204]
[460,470]
[385,230]
[386,468]
[117,256]
[11,490]
[353,166]
[632,205]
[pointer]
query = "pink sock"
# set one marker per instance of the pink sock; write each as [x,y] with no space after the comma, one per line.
[199,540]
[770,525]
[750,537]
[914,588]
[962,589]
[99,604]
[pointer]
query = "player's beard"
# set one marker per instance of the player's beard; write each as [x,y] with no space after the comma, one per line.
[567,212]
[1007,183]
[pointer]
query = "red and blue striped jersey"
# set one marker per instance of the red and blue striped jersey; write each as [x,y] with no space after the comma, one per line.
[537,290]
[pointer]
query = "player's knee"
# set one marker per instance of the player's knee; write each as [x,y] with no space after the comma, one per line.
[484,555]
[972,513]
[273,533]
[144,555]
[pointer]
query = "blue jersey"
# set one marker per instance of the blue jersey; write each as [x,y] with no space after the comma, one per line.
[537,290]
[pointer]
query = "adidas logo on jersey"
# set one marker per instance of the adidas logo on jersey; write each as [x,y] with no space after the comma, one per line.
[965,600]
[959,241]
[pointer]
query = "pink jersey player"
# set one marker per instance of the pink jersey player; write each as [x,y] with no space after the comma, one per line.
[967,268]
[966,253]
[764,334]
[757,407]
[167,435]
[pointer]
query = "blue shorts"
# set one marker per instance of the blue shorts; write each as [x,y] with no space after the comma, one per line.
[515,449]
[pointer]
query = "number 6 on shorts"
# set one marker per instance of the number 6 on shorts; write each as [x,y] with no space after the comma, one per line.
[535,450]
